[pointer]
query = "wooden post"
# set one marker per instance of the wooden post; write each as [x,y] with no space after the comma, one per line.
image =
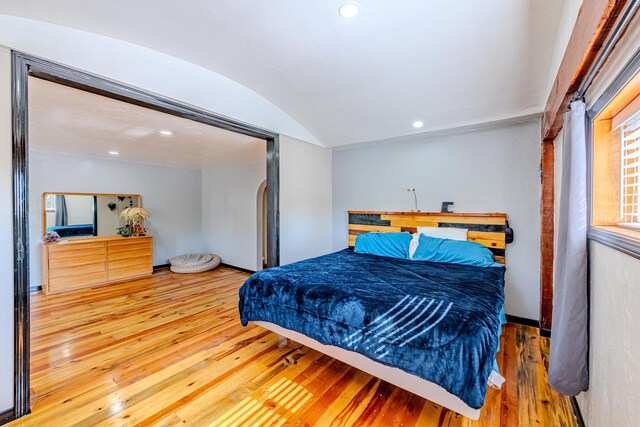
[547,235]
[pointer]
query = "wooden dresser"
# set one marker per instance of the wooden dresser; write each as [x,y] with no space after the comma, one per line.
[81,263]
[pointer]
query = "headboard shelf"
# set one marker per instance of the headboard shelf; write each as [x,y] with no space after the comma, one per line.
[473,214]
[488,229]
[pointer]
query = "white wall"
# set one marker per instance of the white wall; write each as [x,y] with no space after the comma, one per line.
[613,396]
[230,212]
[171,195]
[6,231]
[230,206]
[570,10]
[305,200]
[487,170]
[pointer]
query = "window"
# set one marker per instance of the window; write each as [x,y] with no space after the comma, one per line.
[630,171]
[615,163]
[50,203]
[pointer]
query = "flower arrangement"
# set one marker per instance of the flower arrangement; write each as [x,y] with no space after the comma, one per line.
[50,237]
[133,218]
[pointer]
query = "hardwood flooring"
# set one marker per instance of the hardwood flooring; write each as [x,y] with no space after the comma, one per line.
[170,350]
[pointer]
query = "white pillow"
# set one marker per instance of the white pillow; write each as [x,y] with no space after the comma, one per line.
[413,245]
[444,233]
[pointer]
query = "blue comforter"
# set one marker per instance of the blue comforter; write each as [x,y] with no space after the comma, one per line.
[75,230]
[437,321]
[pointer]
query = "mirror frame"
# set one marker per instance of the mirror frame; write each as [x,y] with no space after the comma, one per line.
[70,193]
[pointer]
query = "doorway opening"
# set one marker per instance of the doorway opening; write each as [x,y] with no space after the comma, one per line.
[26,67]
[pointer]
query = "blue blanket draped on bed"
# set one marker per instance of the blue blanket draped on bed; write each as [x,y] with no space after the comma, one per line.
[437,321]
[75,230]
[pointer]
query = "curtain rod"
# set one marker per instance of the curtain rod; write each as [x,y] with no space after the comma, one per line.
[618,29]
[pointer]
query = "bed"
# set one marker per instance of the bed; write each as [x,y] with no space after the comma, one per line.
[430,328]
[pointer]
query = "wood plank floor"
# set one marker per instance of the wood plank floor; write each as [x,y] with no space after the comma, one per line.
[170,350]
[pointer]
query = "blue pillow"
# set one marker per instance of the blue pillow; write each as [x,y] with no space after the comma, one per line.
[395,245]
[453,252]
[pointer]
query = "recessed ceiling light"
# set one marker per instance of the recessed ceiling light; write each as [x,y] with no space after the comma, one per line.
[349,10]
[166,132]
[113,153]
[418,124]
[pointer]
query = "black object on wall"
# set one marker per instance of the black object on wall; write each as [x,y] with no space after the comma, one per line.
[445,207]
[95,215]
[508,234]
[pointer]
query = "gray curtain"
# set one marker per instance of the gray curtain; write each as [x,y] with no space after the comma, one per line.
[61,211]
[569,354]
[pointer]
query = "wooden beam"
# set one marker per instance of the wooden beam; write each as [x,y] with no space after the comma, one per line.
[593,25]
[547,233]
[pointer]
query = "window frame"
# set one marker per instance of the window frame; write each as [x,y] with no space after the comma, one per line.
[623,243]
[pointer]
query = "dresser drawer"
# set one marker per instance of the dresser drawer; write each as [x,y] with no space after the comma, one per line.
[95,267]
[127,245]
[126,254]
[76,281]
[80,259]
[134,259]
[75,246]
[75,251]
[129,272]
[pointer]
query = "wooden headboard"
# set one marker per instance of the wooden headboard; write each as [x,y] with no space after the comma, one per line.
[488,229]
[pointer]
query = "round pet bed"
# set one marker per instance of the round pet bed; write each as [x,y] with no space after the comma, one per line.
[194,263]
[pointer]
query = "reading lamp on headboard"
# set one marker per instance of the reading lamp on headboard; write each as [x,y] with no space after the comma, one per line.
[508,233]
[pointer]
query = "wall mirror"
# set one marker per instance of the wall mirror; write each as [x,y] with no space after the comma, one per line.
[85,214]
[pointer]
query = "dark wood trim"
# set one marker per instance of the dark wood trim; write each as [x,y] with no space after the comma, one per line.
[273,201]
[92,83]
[522,321]
[244,270]
[547,234]
[577,412]
[222,264]
[21,302]
[23,66]
[594,24]
[7,416]
[95,215]
[545,332]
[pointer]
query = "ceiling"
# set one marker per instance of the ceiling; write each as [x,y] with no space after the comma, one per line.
[449,64]
[67,120]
